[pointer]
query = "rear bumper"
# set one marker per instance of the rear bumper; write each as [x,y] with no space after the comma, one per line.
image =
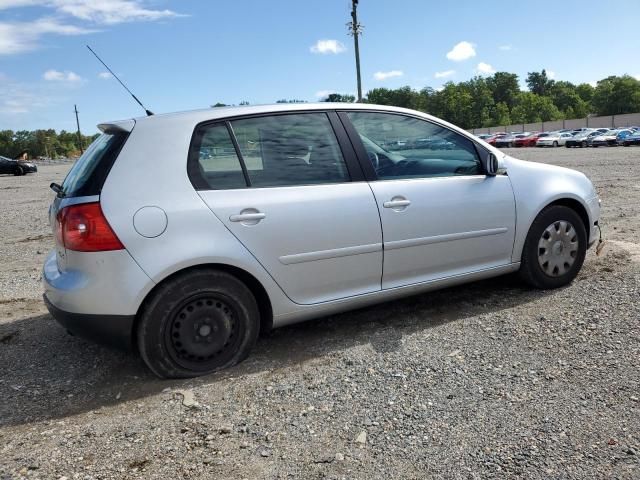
[112,330]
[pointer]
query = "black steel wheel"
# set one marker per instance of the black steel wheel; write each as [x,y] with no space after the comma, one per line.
[197,323]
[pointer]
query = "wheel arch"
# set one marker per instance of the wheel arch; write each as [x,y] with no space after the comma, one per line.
[260,293]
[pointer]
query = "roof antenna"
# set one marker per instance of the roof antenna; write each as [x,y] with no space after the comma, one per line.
[148,112]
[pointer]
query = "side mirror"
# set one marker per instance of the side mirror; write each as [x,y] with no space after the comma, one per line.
[495,166]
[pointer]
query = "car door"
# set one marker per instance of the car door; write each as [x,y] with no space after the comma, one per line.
[441,215]
[296,199]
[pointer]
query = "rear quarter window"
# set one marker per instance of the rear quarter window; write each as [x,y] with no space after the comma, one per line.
[88,174]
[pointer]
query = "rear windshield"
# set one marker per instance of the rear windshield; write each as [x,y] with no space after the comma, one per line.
[88,174]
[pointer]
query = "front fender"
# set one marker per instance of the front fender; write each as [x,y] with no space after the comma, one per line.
[538,185]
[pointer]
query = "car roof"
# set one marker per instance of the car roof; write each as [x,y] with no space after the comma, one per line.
[215,113]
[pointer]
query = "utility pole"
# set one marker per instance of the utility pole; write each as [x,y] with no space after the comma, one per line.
[75,108]
[355,29]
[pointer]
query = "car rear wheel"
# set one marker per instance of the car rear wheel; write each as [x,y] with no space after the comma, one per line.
[555,248]
[19,171]
[555,144]
[198,323]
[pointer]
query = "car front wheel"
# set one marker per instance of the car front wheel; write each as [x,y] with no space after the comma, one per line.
[19,171]
[554,249]
[197,323]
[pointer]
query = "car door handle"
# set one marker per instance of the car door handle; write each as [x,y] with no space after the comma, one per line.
[247,217]
[393,203]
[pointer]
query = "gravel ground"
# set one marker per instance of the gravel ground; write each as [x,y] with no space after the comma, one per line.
[487,380]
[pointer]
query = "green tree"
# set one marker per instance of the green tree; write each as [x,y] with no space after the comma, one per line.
[585,91]
[504,88]
[284,100]
[339,97]
[616,95]
[539,83]
[564,95]
[531,107]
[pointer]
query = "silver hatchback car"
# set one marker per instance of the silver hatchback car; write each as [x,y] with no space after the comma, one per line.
[185,235]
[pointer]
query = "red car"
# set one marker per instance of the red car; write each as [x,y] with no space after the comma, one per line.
[492,139]
[528,141]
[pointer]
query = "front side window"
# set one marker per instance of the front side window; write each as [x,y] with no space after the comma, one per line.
[291,149]
[405,147]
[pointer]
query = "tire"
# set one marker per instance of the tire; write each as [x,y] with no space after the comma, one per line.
[583,145]
[563,257]
[555,144]
[19,171]
[176,333]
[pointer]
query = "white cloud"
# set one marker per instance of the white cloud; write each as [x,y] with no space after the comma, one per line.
[104,75]
[23,36]
[594,83]
[445,74]
[386,75]
[97,11]
[551,74]
[462,51]
[505,48]
[485,69]
[57,76]
[20,98]
[20,36]
[327,46]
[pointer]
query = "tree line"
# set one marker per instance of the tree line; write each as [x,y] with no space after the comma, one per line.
[498,100]
[42,143]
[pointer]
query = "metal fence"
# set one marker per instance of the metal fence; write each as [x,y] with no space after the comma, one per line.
[607,121]
[53,161]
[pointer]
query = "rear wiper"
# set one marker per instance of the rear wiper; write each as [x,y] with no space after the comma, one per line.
[58,189]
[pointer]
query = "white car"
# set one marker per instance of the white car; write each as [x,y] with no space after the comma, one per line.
[554,139]
[185,235]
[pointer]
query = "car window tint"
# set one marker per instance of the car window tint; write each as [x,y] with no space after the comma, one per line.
[219,165]
[89,172]
[406,147]
[292,149]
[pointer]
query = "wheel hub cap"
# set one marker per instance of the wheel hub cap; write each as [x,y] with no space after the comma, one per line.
[558,248]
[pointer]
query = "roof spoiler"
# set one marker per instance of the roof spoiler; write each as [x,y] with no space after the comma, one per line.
[119,126]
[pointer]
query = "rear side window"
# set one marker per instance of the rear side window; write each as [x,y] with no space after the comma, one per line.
[272,151]
[219,167]
[294,149]
[88,174]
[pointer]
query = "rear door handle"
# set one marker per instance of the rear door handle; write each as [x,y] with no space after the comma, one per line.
[247,217]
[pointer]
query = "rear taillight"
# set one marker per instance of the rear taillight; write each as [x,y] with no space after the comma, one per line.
[84,228]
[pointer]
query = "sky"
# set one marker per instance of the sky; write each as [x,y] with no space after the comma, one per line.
[186,54]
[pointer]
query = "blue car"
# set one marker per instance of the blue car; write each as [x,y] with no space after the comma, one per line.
[633,139]
[622,134]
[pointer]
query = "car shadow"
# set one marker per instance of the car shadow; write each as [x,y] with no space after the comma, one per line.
[48,374]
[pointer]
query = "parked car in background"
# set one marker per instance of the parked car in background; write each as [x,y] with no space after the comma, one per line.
[509,140]
[606,139]
[187,262]
[528,140]
[633,139]
[581,139]
[483,136]
[603,130]
[554,139]
[16,167]
[622,134]
[492,139]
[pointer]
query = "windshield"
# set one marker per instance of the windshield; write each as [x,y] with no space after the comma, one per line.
[89,172]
